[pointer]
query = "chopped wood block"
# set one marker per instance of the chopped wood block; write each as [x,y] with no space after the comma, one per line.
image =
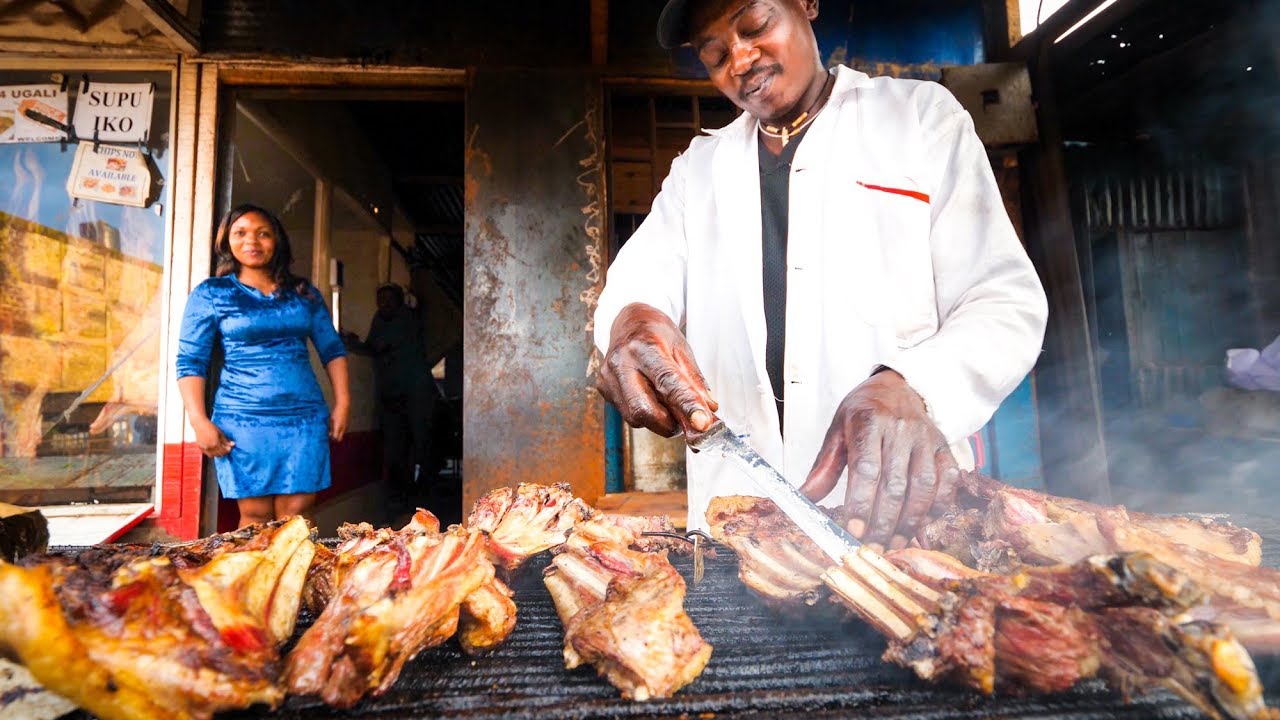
[674,505]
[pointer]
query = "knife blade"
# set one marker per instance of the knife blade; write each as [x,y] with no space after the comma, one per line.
[832,539]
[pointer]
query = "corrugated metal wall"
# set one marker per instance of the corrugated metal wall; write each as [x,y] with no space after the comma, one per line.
[1168,273]
[1192,196]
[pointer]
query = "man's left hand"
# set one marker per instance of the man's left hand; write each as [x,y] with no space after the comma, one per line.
[900,467]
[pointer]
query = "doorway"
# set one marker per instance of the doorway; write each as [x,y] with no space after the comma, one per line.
[368,185]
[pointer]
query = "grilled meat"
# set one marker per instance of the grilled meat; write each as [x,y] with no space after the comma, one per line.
[999,528]
[357,540]
[525,521]
[160,633]
[777,561]
[1044,629]
[393,594]
[1041,629]
[487,618]
[623,612]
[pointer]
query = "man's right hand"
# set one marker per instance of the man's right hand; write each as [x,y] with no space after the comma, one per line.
[211,440]
[650,375]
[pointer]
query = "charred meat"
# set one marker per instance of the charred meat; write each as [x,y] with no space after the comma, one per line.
[1121,617]
[775,560]
[999,528]
[524,521]
[394,593]
[169,633]
[623,612]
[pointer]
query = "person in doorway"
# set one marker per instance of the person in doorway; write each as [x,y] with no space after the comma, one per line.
[406,392]
[833,273]
[270,429]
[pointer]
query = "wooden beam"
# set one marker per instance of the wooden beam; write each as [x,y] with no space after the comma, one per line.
[1000,28]
[599,32]
[321,235]
[30,49]
[316,75]
[1013,26]
[641,84]
[1072,442]
[206,177]
[356,94]
[182,209]
[175,26]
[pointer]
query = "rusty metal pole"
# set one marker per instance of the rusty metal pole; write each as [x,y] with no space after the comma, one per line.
[534,244]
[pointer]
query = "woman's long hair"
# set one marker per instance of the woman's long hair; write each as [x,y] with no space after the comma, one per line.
[281,258]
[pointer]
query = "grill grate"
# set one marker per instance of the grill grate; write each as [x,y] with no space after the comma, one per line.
[762,667]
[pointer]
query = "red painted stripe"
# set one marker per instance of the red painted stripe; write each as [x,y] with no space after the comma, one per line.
[922,197]
[131,524]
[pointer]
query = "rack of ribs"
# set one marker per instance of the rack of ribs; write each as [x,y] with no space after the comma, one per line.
[1000,528]
[1122,616]
[165,633]
[386,596]
[524,521]
[617,595]
[623,610]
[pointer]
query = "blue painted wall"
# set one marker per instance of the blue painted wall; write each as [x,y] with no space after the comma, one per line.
[1010,442]
[934,32]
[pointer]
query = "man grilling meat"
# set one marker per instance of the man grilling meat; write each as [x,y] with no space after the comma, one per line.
[833,273]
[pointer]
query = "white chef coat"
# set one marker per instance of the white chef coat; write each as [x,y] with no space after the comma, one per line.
[899,253]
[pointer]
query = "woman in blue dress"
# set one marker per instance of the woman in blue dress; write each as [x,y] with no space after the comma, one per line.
[270,428]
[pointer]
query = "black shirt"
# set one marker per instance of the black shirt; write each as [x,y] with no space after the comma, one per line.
[775,184]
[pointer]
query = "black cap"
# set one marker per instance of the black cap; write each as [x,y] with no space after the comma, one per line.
[673,24]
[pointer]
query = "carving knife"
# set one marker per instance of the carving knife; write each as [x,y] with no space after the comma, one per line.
[832,539]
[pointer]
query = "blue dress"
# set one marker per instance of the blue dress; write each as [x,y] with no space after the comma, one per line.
[268,401]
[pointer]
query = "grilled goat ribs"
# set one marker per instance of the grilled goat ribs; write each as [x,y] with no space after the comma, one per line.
[777,561]
[394,593]
[487,618]
[1044,629]
[526,520]
[160,633]
[623,612]
[1000,528]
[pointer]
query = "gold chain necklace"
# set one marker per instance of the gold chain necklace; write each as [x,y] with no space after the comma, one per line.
[800,123]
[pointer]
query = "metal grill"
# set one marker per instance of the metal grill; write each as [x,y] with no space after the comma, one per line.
[762,667]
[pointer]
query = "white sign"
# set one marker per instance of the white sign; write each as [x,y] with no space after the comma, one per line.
[110,174]
[117,112]
[17,127]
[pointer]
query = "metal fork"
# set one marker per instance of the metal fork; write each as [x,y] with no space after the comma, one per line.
[698,539]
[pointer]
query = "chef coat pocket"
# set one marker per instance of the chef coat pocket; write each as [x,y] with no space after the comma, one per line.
[904,217]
